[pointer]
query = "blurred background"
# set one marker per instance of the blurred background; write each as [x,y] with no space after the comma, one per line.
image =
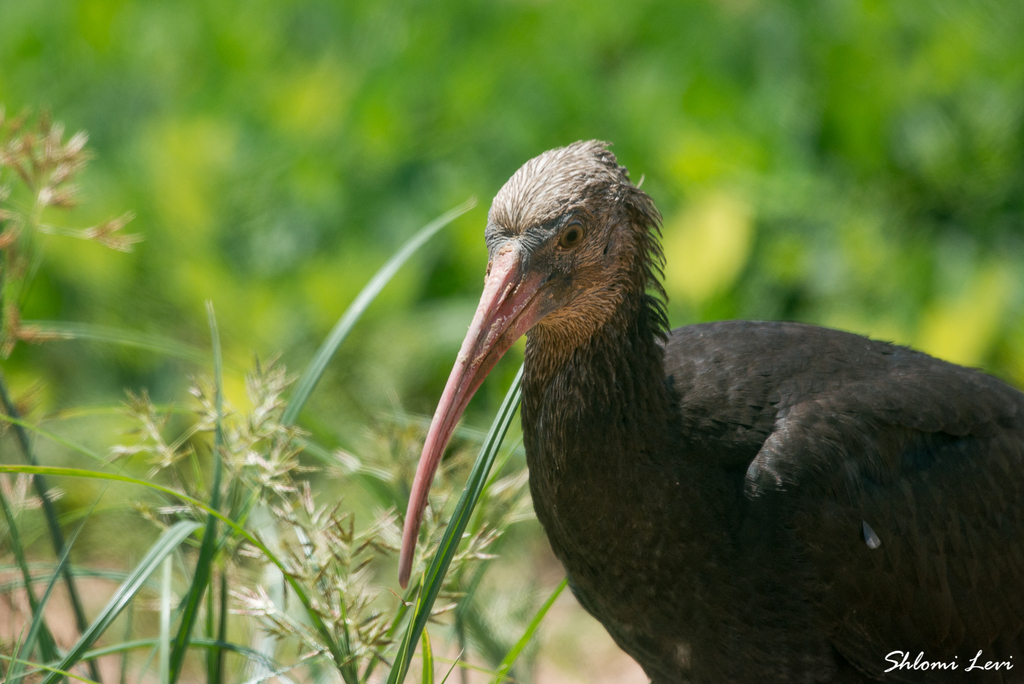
[857,164]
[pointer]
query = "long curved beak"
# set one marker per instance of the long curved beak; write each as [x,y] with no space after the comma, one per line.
[507,309]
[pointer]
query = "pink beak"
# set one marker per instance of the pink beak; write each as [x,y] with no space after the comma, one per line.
[507,309]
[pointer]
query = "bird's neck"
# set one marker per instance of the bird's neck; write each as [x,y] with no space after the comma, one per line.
[612,381]
[608,455]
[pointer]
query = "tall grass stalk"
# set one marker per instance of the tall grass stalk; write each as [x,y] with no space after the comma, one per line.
[314,371]
[47,645]
[531,629]
[158,344]
[336,613]
[433,578]
[56,534]
[159,553]
[165,621]
[205,561]
[38,618]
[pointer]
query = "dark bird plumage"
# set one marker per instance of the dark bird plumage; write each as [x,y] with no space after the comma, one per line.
[741,501]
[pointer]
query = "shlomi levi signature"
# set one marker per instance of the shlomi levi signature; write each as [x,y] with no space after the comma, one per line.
[900,660]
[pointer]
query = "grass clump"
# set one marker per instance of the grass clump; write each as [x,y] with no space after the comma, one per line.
[272,555]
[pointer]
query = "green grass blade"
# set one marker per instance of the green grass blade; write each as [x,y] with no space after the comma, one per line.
[211,622]
[506,665]
[427,656]
[165,620]
[125,646]
[61,569]
[315,369]
[117,409]
[54,671]
[434,576]
[314,618]
[222,631]
[467,666]
[144,670]
[10,412]
[466,616]
[129,619]
[211,644]
[488,645]
[451,668]
[277,673]
[208,550]
[14,666]
[313,372]
[164,546]
[348,668]
[77,570]
[28,644]
[19,423]
[215,655]
[125,338]
[218,362]
[47,646]
[403,609]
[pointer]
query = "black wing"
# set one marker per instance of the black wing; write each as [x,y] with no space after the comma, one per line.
[862,441]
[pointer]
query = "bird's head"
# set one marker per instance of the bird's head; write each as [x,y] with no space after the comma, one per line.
[570,239]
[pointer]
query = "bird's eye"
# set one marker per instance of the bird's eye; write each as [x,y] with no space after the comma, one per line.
[571,236]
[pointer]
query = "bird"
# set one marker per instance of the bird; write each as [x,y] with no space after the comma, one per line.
[740,501]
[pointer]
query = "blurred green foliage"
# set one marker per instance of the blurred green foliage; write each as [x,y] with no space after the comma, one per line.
[852,163]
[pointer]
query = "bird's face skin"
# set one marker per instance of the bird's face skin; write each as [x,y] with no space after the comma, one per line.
[559,245]
[578,257]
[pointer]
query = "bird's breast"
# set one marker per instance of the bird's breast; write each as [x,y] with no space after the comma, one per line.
[603,497]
